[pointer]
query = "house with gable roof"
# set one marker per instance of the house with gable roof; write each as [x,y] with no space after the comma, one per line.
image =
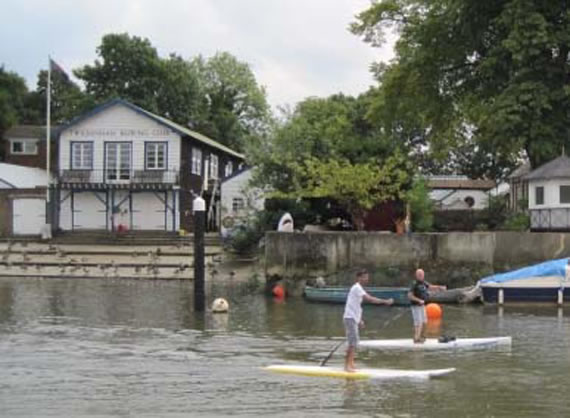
[549,195]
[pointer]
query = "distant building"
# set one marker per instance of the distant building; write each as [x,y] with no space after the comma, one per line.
[26,145]
[239,200]
[120,167]
[549,195]
[459,192]
[22,200]
[518,187]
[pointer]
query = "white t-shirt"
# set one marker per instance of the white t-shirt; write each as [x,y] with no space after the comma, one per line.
[353,307]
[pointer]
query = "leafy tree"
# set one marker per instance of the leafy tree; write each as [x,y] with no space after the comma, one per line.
[128,67]
[218,96]
[13,93]
[421,206]
[496,73]
[67,100]
[236,106]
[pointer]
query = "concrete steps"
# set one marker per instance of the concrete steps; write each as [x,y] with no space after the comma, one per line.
[36,259]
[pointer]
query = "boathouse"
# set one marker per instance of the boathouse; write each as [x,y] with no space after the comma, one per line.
[122,168]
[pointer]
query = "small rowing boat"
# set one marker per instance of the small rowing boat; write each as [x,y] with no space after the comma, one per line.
[338,294]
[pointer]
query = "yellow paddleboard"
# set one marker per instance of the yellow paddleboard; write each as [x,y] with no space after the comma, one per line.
[337,372]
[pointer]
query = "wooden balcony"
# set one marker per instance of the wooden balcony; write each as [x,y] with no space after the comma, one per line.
[118,179]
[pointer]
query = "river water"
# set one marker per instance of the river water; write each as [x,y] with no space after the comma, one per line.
[104,348]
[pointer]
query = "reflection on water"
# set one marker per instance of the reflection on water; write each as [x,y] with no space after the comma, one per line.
[128,348]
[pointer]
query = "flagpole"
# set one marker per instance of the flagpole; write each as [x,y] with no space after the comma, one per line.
[48,130]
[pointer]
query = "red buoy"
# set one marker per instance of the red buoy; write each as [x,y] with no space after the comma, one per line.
[278,291]
[433,311]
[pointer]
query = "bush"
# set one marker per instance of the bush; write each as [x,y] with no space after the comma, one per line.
[517,222]
[421,206]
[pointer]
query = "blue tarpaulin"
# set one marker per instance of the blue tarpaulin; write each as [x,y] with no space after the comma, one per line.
[548,268]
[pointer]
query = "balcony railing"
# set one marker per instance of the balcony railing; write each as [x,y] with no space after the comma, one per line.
[119,177]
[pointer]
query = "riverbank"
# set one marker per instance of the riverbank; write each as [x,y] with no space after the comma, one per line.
[454,259]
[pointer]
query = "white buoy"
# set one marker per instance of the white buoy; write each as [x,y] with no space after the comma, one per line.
[220,305]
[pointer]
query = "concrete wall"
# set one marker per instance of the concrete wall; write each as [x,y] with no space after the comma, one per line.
[308,255]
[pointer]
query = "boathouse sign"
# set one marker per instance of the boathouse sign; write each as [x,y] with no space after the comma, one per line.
[119,132]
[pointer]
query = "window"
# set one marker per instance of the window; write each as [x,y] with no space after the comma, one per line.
[155,155]
[197,161]
[118,160]
[24,146]
[229,169]
[564,194]
[539,195]
[214,166]
[237,204]
[81,155]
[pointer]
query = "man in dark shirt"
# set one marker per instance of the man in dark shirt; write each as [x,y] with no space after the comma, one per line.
[418,295]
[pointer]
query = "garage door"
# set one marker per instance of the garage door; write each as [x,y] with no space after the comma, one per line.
[148,212]
[29,216]
[89,210]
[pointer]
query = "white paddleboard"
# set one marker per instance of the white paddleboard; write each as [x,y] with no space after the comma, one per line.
[337,372]
[434,344]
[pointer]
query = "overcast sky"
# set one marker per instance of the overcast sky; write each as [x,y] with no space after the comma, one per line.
[296,48]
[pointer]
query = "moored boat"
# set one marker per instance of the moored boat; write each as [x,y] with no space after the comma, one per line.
[338,294]
[544,282]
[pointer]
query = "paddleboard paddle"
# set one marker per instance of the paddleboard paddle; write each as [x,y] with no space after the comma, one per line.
[327,358]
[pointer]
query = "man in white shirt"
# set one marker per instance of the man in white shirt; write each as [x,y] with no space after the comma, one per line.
[352,317]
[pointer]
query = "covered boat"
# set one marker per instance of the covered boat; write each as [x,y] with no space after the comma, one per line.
[338,294]
[544,282]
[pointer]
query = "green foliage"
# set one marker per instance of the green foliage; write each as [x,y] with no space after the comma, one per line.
[517,222]
[421,206]
[13,92]
[326,148]
[476,80]
[67,99]
[234,107]
[218,97]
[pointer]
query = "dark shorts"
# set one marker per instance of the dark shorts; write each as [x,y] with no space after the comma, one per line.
[351,330]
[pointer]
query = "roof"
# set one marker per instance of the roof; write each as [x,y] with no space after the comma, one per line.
[520,171]
[555,169]
[459,182]
[21,177]
[29,131]
[237,173]
[159,119]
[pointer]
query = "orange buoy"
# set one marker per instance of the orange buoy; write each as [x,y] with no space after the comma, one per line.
[433,311]
[278,291]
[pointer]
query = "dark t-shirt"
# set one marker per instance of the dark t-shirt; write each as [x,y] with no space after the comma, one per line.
[419,290]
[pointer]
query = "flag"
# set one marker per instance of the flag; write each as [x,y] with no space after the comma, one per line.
[56,68]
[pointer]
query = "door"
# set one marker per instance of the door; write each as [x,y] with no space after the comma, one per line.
[89,210]
[149,211]
[29,216]
[118,161]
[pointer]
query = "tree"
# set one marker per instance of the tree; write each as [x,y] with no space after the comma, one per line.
[494,72]
[218,96]
[67,100]
[13,93]
[325,148]
[236,107]
[357,187]
[128,67]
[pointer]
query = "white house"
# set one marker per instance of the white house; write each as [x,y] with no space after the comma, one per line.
[549,196]
[124,168]
[459,192]
[239,199]
[22,200]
